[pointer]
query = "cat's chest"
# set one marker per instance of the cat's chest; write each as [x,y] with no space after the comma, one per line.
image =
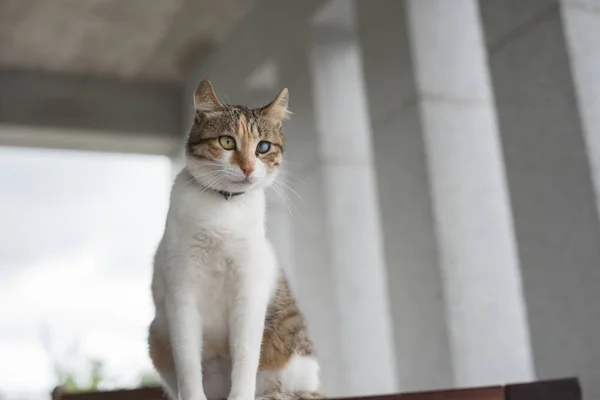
[214,258]
[210,274]
[211,259]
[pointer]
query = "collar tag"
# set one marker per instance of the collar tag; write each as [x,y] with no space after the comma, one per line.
[228,195]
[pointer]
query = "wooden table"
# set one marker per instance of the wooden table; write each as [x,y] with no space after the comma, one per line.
[561,389]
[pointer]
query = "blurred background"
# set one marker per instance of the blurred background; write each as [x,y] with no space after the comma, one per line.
[440,215]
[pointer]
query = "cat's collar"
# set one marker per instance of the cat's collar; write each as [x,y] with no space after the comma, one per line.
[228,195]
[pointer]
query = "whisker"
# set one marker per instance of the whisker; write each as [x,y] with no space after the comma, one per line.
[209,173]
[290,174]
[292,209]
[277,191]
[213,164]
[199,188]
[214,181]
[288,187]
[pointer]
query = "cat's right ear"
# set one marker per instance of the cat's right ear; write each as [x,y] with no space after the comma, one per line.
[205,98]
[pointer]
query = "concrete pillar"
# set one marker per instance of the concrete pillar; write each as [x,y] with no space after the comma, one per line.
[345,148]
[581,21]
[448,223]
[414,279]
[539,71]
[485,309]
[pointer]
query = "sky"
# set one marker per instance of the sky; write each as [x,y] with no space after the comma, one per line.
[78,231]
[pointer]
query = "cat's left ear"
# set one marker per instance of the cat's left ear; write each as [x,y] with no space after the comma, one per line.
[277,110]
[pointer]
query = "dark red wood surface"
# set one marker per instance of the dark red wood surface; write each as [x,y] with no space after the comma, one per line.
[561,389]
[487,393]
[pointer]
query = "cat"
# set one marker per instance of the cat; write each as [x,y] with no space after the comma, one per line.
[226,325]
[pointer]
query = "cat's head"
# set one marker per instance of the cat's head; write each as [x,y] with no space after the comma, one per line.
[234,148]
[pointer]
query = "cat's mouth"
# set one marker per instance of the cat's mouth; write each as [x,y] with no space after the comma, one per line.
[245,181]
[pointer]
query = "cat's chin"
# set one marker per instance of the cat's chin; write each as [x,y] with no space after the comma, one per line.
[239,186]
[245,185]
[232,185]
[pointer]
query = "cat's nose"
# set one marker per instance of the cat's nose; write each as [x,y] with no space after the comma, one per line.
[247,169]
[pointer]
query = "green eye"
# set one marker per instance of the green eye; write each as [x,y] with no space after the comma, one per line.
[263,147]
[227,142]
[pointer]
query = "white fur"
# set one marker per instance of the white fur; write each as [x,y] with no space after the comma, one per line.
[215,273]
[301,374]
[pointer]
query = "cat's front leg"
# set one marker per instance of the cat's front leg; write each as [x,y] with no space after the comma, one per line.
[255,277]
[185,331]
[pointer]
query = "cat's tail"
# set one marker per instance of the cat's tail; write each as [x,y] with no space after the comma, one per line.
[292,396]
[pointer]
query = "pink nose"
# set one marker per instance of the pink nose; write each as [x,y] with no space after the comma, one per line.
[247,170]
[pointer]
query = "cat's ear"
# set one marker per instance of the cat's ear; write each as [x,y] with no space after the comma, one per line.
[277,110]
[205,98]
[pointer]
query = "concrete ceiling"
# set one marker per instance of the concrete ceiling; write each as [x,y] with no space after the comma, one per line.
[107,75]
[131,39]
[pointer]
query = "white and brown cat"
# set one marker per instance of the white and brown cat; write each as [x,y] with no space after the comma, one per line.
[226,324]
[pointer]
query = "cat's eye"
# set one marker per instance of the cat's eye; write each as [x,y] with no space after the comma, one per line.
[263,147]
[227,142]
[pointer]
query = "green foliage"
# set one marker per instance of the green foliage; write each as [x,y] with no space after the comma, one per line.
[148,379]
[96,374]
[74,372]
[94,377]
